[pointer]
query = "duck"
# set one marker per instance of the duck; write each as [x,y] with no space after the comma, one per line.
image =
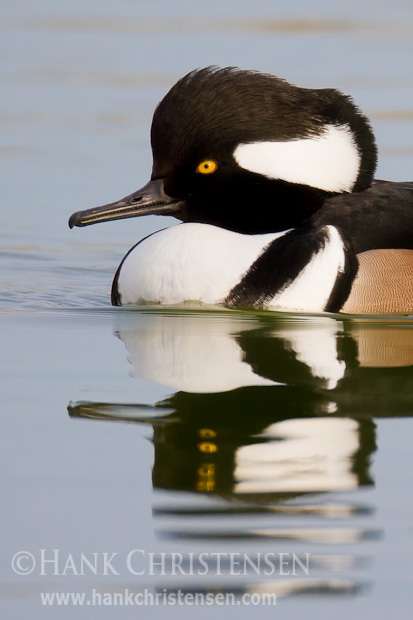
[279,209]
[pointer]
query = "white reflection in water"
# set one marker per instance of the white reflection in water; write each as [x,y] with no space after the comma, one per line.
[201,355]
[307,455]
[318,350]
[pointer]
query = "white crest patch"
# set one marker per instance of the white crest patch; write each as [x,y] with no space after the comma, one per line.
[330,161]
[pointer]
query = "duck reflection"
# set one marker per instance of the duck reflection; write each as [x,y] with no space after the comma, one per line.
[264,406]
[269,415]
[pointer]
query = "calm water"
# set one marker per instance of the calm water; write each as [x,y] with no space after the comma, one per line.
[189,450]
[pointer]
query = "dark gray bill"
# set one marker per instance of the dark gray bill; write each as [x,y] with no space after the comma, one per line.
[149,200]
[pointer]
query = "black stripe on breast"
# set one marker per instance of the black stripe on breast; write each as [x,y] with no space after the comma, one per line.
[344,280]
[280,264]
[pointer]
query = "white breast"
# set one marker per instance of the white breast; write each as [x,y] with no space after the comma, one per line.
[188,262]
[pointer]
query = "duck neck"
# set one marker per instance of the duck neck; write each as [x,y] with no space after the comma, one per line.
[261,209]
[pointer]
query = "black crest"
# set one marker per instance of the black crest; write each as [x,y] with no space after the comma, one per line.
[221,108]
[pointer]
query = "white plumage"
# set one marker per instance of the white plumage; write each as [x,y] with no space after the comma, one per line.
[330,161]
[203,263]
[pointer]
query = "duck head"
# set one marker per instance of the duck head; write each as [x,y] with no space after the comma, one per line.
[248,152]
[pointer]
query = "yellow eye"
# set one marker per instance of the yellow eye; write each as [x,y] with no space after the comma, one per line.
[207,166]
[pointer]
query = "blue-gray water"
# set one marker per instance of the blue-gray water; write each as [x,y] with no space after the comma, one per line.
[186,431]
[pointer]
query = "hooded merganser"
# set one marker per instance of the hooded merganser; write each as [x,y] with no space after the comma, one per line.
[274,184]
